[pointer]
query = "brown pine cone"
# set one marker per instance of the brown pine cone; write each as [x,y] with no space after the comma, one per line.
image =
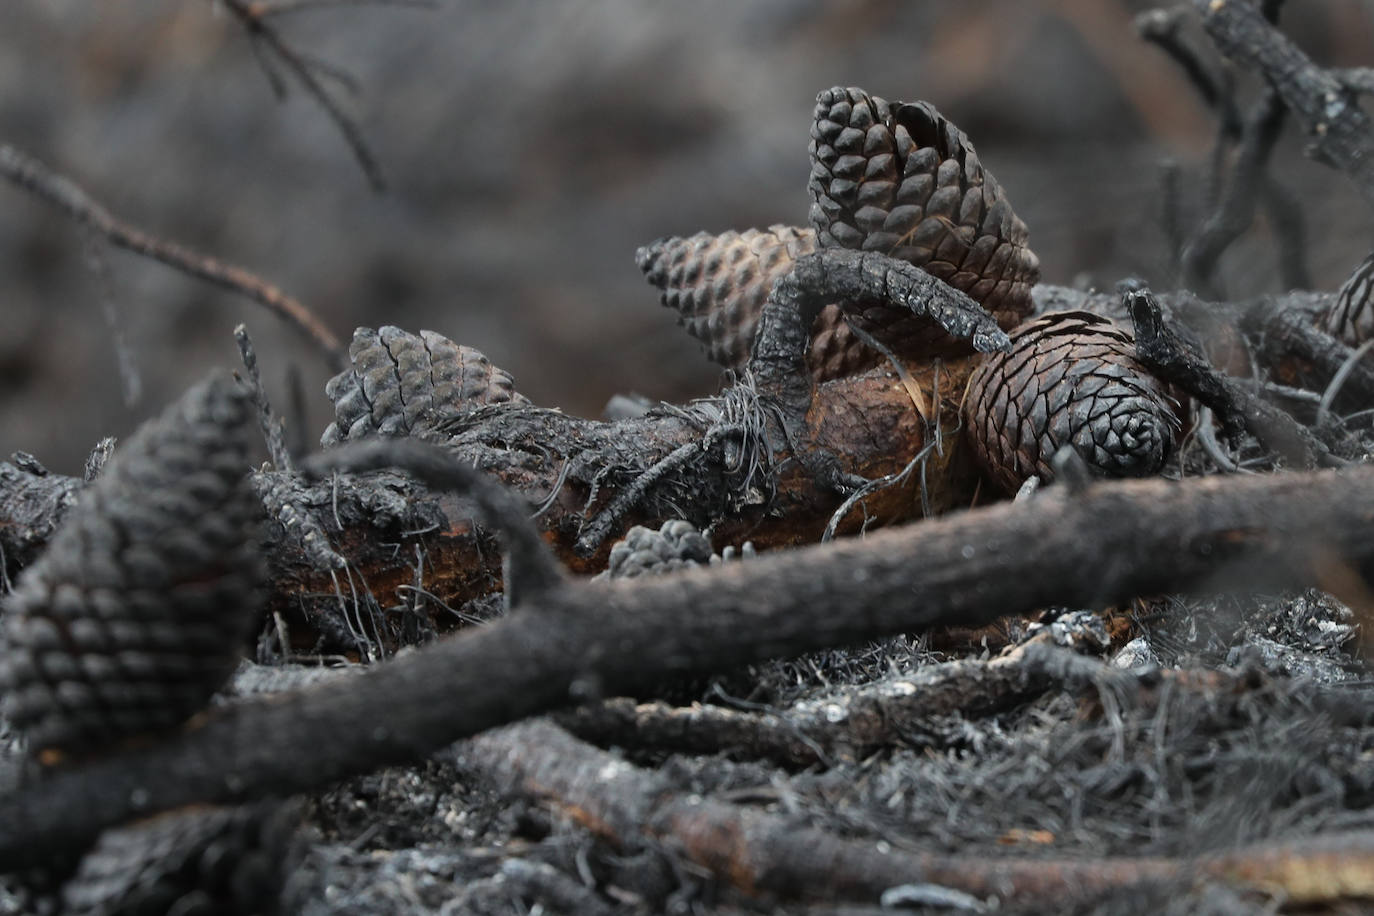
[717,284]
[1071,378]
[138,609]
[1351,318]
[900,179]
[885,177]
[402,384]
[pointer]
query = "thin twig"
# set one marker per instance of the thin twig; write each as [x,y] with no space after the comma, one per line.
[270,424]
[31,175]
[888,480]
[1338,380]
[1207,436]
[308,70]
[130,382]
[287,7]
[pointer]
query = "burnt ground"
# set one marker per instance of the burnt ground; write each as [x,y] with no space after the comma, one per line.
[1098,760]
[486,233]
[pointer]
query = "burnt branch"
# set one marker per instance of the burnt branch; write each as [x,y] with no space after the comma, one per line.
[273,50]
[1340,132]
[531,569]
[1236,210]
[30,175]
[1163,28]
[1181,363]
[1249,182]
[589,638]
[848,725]
[760,853]
[853,278]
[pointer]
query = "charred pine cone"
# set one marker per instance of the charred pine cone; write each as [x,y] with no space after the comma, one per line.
[718,283]
[403,384]
[647,551]
[888,177]
[899,179]
[1071,378]
[674,545]
[136,612]
[1351,318]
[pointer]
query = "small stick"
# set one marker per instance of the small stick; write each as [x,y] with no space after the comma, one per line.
[844,726]
[253,16]
[270,425]
[1338,380]
[1171,358]
[29,174]
[131,383]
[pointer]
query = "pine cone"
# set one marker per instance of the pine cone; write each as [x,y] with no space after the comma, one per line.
[718,283]
[402,384]
[885,177]
[900,179]
[1351,318]
[1071,378]
[211,861]
[653,551]
[137,611]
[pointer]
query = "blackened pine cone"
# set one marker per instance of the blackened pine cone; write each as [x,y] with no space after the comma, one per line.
[900,179]
[203,860]
[1071,378]
[717,284]
[137,611]
[644,551]
[403,384]
[1351,318]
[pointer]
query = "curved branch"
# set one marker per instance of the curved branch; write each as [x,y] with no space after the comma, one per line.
[1339,129]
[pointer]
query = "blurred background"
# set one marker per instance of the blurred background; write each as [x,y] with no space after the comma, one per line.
[530,147]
